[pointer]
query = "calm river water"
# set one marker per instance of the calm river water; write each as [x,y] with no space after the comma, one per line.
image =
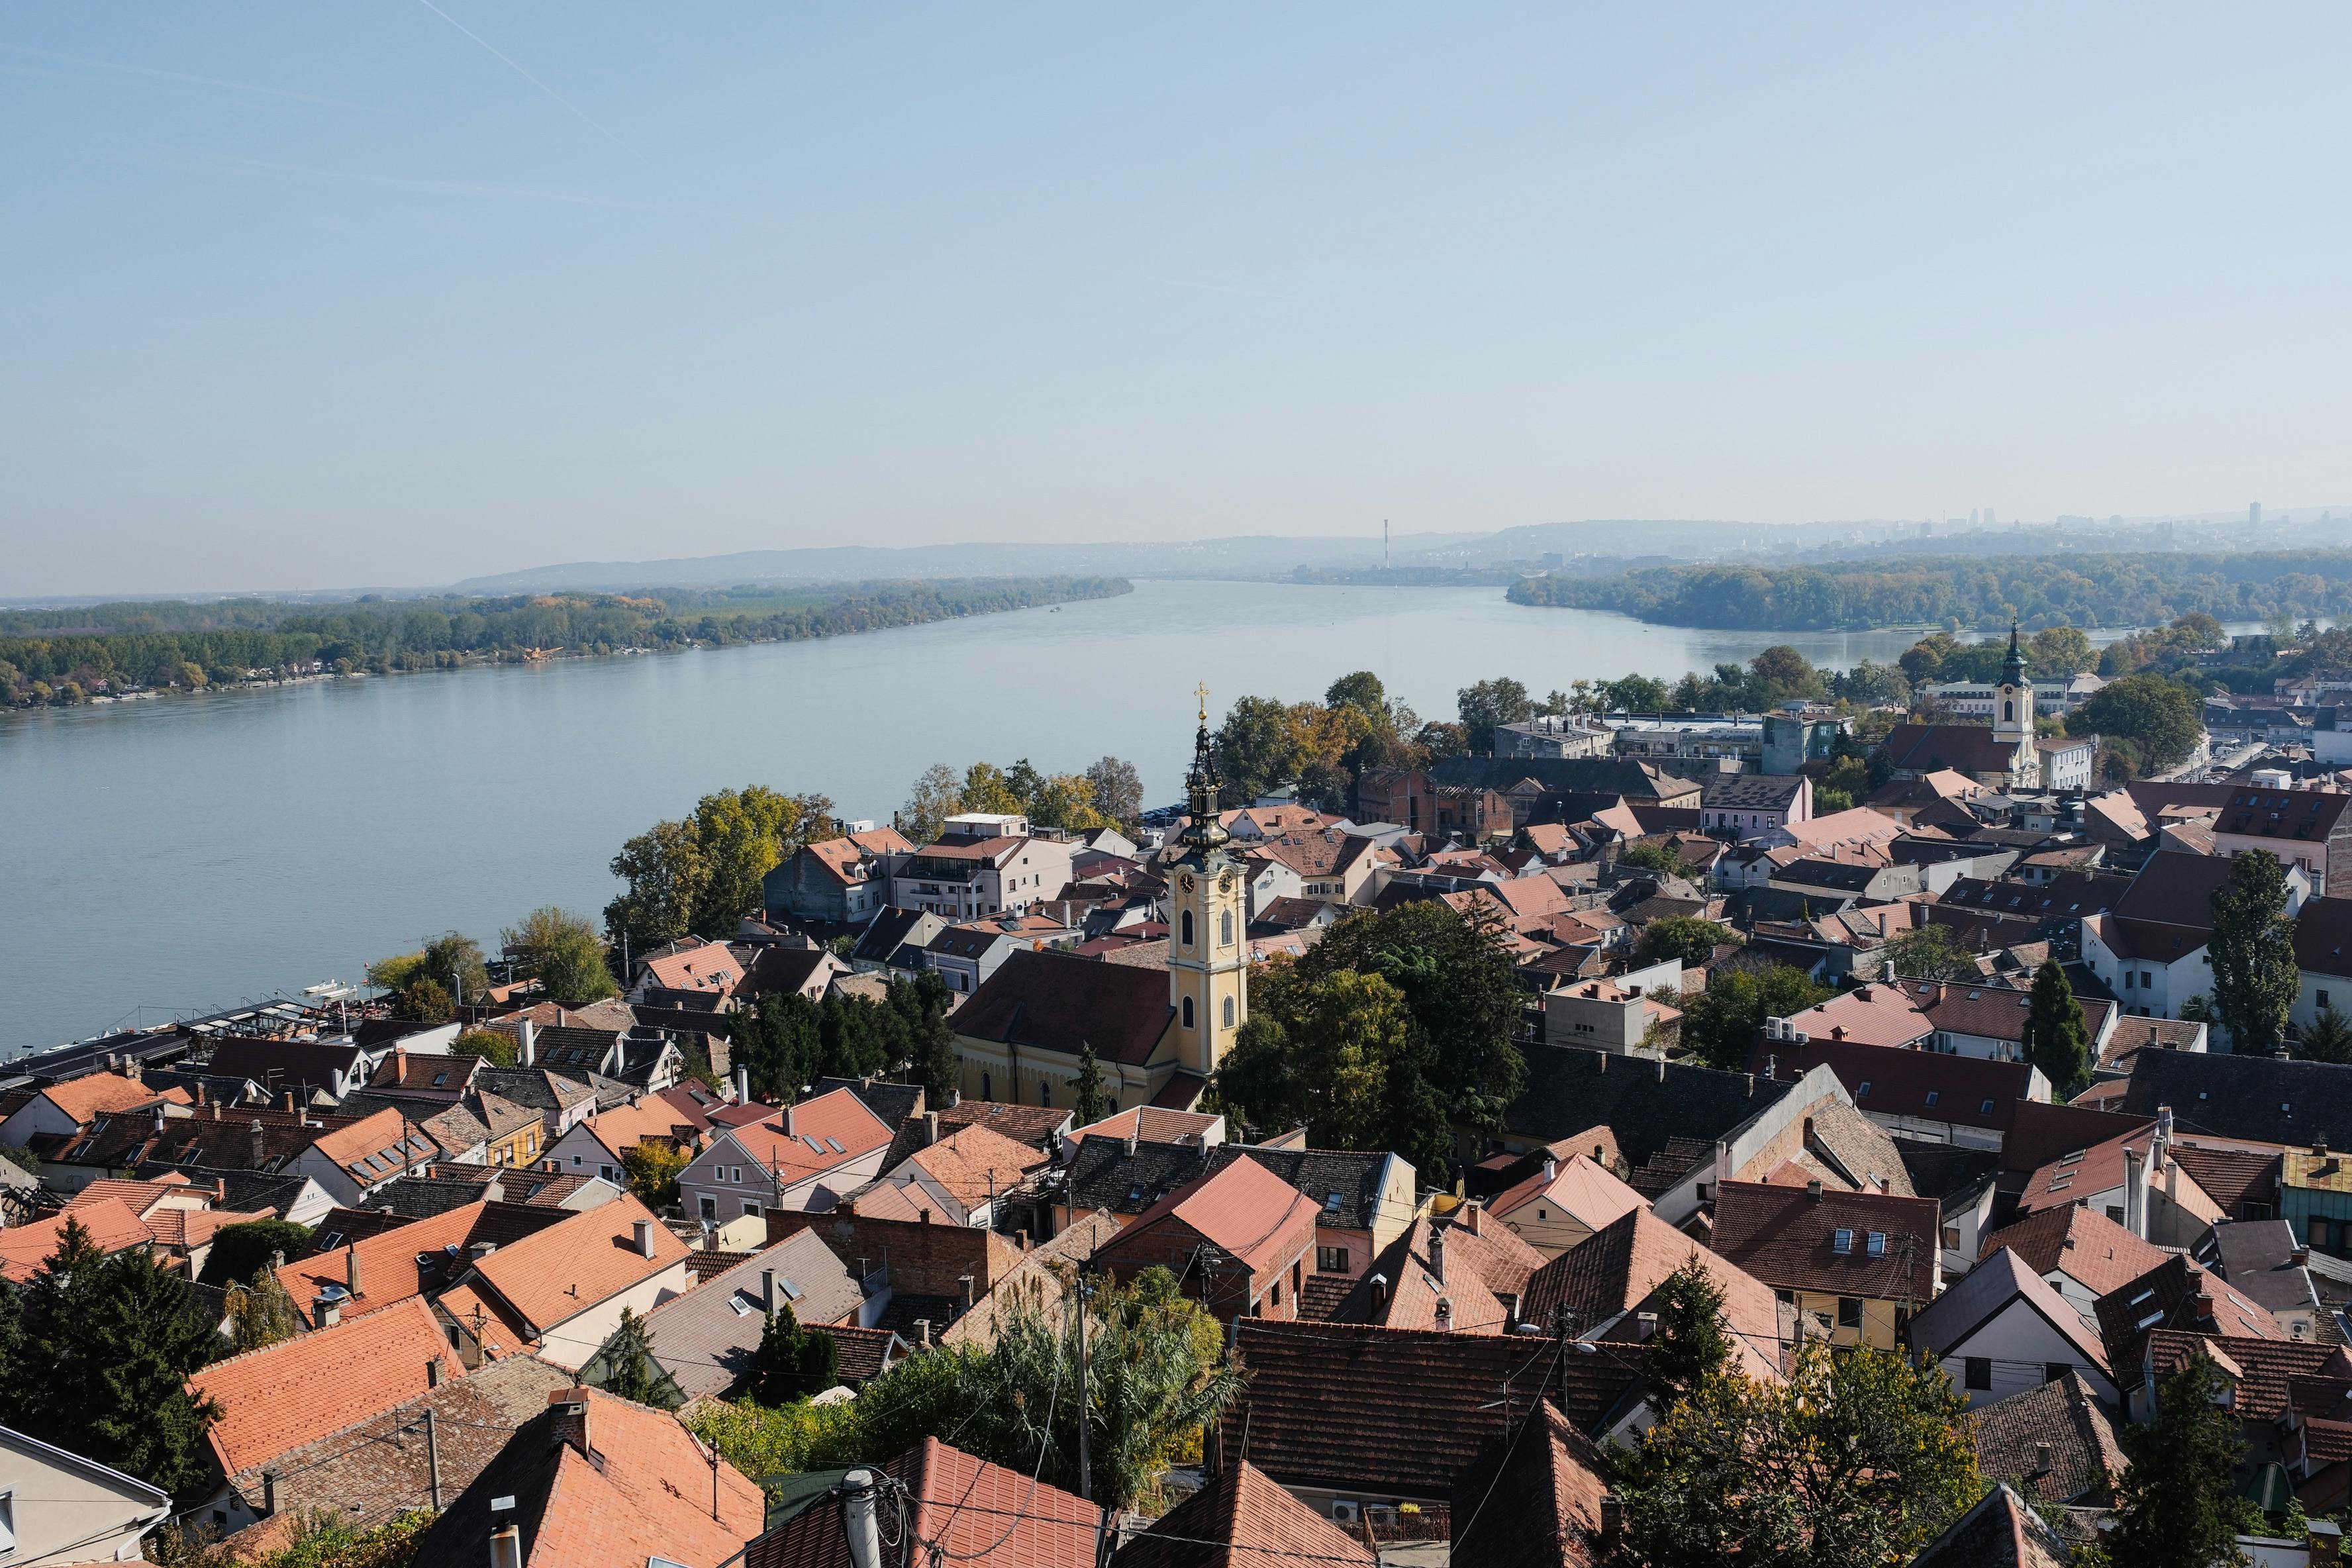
[165,857]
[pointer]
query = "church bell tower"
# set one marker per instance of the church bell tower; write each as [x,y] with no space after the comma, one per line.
[2012,704]
[1208,944]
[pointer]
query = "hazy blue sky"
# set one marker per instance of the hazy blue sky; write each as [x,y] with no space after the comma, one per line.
[318,294]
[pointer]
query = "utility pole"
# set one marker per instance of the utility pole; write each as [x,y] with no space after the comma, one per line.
[1086,1464]
[432,1461]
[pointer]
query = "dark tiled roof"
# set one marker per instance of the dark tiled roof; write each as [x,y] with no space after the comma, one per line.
[1321,1174]
[2166,1298]
[1999,1532]
[1058,1002]
[2230,1177]
[1560,775]
[893,1102]
[2063,1414]
[2265,1366]
[1644,1102]
[1533,1500]
[1933,1086]
[2323,936]
[281,1065]
[1752,792]
[1251,1520]
[2260,1099]
[1103,1175]
[1943,1170]
[1964,747]
[1787,1237]
[1398,1410]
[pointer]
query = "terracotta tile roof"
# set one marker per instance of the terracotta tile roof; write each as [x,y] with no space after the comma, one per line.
[1344,1184]
[1482,1268]
[1579,1188]
[1059,1001]
[139,1198]
[301,1389]
[414,1258]
[25,1249]
[861,1355]
[1874,1015]
[1399,1410]
[2261,1368]
[376,1147]
[409,1070]
[1253,1522]
[966,1505]
[181,1230]
[1535,1503]
[1788,1237]
[1152,1124]
[105,1094]
[375,1469]
[2063,1416]
[2081,1173]
[622,1128]
[818,1123]
[2087,1247]
[2166,1298]
[1036,1278]
[1245,1208]
[646,1494]
[975,1163]
[577,1262]
[712,967]
[1616,1269]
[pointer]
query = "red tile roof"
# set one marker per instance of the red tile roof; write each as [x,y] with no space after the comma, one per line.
[571,1266]
[2087,1247]
[1615,1269]
[1578,1188]
[284,1397]
[1539,1506]
[2261,1368]
[25,1249]
[1245,1208]
[964,1507]
[105,1094]
[711,967]
[1787,1237]
[1254,1522]
[838,1116]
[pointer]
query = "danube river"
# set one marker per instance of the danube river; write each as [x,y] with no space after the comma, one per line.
[165,857]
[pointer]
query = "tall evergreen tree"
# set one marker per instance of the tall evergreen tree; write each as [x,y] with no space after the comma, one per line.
[1091,1107]
[1691,1344]
[102,1358]
[2252,949]
[630,1371]
[2055,1040]
[776,1364]
[2176,1507]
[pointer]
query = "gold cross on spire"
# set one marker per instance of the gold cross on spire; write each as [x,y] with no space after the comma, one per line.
[1202,691]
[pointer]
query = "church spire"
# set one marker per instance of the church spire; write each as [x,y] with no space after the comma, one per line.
[2013,669]
[1202,785]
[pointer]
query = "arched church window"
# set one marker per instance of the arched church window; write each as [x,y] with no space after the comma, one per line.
[1229,1012]
[1185,927]
[1225,928]
[2008,711]
[1188,1012]
[984,1088]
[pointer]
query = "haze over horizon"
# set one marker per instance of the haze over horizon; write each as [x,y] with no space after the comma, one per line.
[306,297]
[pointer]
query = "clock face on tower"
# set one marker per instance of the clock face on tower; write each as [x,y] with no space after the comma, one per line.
[1187,882]
[1225,883]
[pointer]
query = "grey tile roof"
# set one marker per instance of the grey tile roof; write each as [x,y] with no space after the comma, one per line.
[1103,1175]
[1354,1178]
[2260,1099]
[2063,1414]
[704,1339]
[1569,1089]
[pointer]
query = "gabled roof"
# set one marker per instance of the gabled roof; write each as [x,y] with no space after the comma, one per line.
[1242,1208]
[2177,1294]
[1534,1499]
[1644,1102]
[375,1148]
[712,967]
[298,1390]
[2063,1416]
[1152,1124]
[1788,1237]
[1103,1175]
[1999,1532]
[1615,1269]
[1242,1519]
[2084,1245]
[973,1511]
[25,1249]
[1947,1323]
[2263,1099]
[1059,1001]
[1486,1269]
[281,1065]
[706,1337]
[2082,1173]
[587,1257]
[828,1130]
[104,1094]
[631,1503]
[2261,1368]
[1577,1187]
[1931,748]
[1933,1086]
[974,1164]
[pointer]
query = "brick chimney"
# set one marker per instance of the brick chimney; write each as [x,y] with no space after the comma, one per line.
[1437,1254]
[1813,1190]
[570,1425]
[351,1269]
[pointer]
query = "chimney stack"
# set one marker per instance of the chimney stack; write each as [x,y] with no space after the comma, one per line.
[351,1269]
[527,1043]
[930,1128]
[963,1286]
[570,1406]
[506,1547]
[286,1100]
[260,1145]
[268,1493]
[1813,1190]
[644,1238]
[1437,1254]
[1130,1142]
[768,1288]
[433,1371]
[789,1130]
[1551,1170]
[922,1334]
[2040,1458]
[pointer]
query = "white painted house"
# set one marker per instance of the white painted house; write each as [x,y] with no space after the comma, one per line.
[2001,1329]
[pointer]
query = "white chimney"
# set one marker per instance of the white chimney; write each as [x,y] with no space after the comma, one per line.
[527,1043]
[742,1085]
[644,1238]
[2136,1192]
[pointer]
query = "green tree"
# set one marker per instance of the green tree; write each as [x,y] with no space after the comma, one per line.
[1721,1024]
[1486,703]
[741,837]
[986,788]
[1635,694]
[2161,718]
[937,795]
[1858,1459]
[1692,1344]
[454,960]
[1650,857]
[1363,691]
[1684,937]
[499,1050]
[663,868]
[629,1369]
[240,1249]
[793,1362]
[260,1312]
[1257,750]
[2056,1041]
[1090,1106]
[2252,948]
[653,1170]
[1780,674]
[1929,953]
[923,1004]
[781,1044]
[103,1355]
[1318,1052]
[427,1000]
[1117,792]
[2175,1507]
[2329,1038]
[563,953]
[2057,651]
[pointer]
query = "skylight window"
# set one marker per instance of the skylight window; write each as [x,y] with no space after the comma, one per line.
[1934,1095]
[1985,1110]
[1877,1244]
[1842,1241]
[835,1145]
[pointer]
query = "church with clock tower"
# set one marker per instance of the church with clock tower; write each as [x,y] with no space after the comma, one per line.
[1025,1035]
[1207,939]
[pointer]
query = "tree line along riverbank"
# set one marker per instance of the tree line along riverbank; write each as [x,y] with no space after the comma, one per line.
[2116,589]
[72,656]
